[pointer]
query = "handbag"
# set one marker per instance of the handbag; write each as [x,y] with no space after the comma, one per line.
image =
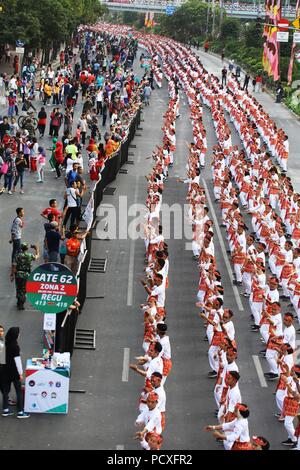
[4,168]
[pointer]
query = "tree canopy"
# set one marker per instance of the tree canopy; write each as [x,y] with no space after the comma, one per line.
[189,22]
[40,23]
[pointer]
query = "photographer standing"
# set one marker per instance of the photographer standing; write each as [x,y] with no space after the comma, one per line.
[20,272]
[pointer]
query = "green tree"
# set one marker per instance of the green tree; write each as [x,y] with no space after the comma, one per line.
[230,28]
[46,23]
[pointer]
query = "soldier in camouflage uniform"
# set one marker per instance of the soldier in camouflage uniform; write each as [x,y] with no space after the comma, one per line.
[21,270]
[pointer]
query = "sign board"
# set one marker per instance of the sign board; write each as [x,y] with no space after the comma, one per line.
[51,288]
[20,50]
[88,215]
[282,36]
[296,23]
[296,37]
[20,43]
[283,24]
[46,390]
[170,10]
[49,322]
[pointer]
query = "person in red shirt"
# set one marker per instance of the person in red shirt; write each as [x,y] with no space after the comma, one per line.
[11,104]
[52,209]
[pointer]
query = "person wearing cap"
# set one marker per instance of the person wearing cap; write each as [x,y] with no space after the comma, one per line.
[20,272]
[149,419]
[259,443]
[154,384]
[151,441]
[235,434]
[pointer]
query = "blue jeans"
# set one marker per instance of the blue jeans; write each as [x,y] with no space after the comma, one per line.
[8,179]
[53,256]
[20,176]
[11,111]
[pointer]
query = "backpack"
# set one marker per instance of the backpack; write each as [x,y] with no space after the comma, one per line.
[73,247]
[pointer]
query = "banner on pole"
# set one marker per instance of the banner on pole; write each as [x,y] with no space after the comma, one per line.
[296,23]
[271,46]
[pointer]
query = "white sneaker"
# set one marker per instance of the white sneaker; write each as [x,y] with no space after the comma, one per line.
[21,192]
[9,192]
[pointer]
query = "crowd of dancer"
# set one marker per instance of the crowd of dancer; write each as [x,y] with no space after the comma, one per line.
[250,180]
[156,361]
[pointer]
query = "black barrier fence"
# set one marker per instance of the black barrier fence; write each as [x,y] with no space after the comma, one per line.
[66,321]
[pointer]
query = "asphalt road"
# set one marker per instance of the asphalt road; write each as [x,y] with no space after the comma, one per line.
[103,417]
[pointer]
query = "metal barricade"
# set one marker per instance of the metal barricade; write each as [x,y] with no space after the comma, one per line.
[67,321]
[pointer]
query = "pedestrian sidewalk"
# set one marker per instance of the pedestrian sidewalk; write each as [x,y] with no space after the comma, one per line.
[282,116]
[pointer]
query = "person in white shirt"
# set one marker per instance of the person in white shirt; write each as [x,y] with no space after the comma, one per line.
[158,290]
[231,396]
[71,209]
[275,332]
[235,433]
[149,419]
[164,340]
[289,332]
[156,386]
[152,362]
[228,364]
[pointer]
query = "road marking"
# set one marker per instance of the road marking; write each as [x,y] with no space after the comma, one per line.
[125,371]
[120,447]
[259,371]
[222,245]
[132,255]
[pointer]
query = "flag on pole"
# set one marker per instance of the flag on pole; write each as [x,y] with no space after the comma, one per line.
[294,45]
[271,49]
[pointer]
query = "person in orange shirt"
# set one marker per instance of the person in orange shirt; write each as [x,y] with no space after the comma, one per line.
[111,147]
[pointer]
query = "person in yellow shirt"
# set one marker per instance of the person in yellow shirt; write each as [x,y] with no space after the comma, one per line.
[47,93]
[56,91]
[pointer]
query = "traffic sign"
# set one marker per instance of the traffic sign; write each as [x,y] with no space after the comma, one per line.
[170,10]
[282,36]
[20,50]
[296,23]
[296,37]
[51,288]
[283,24]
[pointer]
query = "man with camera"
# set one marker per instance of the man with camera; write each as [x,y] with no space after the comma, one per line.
[21,269]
